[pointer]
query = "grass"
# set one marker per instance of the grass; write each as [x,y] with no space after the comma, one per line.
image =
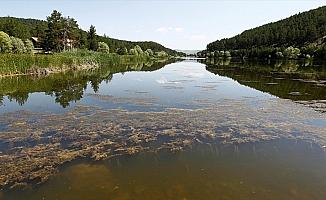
[25,63]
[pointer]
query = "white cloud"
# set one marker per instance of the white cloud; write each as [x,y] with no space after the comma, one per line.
[169,29]
[162,80]
[194,75]
[178,29]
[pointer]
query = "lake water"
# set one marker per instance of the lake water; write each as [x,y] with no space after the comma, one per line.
[167,130]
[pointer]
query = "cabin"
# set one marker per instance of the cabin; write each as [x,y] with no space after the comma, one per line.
[68,45]
[37,45]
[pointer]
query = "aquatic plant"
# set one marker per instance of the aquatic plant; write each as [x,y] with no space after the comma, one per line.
[70,60]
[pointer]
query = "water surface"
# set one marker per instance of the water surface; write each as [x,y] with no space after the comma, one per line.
[168,130]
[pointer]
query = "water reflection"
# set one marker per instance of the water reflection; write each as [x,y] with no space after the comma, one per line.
[240,144]
[66,87]
[296,80]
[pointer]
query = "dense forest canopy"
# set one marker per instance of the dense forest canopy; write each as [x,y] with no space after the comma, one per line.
[27,28]
[305,31]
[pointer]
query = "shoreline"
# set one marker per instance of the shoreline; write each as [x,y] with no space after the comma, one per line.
[12,65]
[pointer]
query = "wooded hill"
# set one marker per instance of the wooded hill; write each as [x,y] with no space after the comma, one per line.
[27,28]
[305,31]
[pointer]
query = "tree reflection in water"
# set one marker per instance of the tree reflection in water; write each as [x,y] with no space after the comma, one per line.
[67,87]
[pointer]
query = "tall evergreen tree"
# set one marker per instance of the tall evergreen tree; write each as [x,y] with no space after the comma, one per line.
[91,39]
[70,33]
[53,39]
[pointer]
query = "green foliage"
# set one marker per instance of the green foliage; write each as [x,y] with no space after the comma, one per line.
[162,54]
[5,43]
[139,50]
[103,47]
[291,53]
[149,52]
[28,28]
[61,33]
[53,39]
[29,47]
[82,39]
[227,54]
[14,28]
[122,51]
[18,45]
[133,52]
[264,41]
[279,54]
[26,63]
[91,38]
[70,33]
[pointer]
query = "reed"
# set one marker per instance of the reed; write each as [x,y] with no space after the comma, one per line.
[11,64]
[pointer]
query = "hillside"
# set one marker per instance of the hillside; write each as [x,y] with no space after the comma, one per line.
[305,30]
[27,28]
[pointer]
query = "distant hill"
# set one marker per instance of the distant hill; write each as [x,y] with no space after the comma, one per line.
[188,51]
[27,28]
[307,29]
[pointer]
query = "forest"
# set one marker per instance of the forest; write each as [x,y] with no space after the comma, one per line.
[60,28]
[301,35]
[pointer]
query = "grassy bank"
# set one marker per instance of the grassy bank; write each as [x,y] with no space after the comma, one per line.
[15,64]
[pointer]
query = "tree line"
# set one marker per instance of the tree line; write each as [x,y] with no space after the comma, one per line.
[300,35]
[10,44]
[59,33]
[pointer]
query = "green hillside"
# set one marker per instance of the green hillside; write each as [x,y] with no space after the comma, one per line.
[27,28]
[305,31]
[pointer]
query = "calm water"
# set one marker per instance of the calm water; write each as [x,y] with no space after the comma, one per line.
[238,137]
[274,170]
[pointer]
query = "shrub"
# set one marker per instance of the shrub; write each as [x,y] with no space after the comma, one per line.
[133,52]
[139,50]
[161,54]
[279,54]
[29,47]
[103,47]
[149,52]
[227,54]
[18,45]
[5,43]
[122,51]
[291,52]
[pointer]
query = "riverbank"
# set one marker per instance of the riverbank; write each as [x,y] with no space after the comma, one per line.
[26,64]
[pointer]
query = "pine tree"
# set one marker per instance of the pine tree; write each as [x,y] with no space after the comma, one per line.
[91,39]
[53,40]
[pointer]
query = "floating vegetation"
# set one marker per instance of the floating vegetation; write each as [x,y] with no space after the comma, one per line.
[34,145]
[125,100]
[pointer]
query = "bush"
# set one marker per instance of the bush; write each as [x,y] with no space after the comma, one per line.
[103,47]
[5,43]
[133,52]
[162,54]
[139,50]
[29,47]
[122,51]
[149,52]
[227,54]
[291,52]
[279,54]
[18,45]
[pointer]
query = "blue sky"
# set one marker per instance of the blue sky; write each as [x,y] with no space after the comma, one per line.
[175,24]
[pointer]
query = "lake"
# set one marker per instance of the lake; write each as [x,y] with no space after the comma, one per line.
[177,129]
